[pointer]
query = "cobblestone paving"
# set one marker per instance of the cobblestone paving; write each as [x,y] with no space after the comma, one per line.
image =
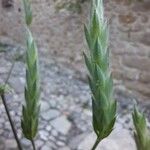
[65,105]
[59,34]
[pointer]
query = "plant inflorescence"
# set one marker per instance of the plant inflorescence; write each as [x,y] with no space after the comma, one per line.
[30,111]
[141,134]
[100,79]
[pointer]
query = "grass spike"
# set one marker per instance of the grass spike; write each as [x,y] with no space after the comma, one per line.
[100,79]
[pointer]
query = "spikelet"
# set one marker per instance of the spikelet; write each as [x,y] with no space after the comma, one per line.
[28,12]
[30,111]
[141,134]
[100,79]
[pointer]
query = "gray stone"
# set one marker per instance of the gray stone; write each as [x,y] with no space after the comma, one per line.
[17,84]
[7,126]
[3,70]
[1,131]
[48,146]
[54,133]
[19,131]
[53,102]
[43,134]
[44,106]
[146,39]
[10,144]
[45,147]
[42,125]
[62,138]
[48,128]
[39,143]
[60,143]
[50,114]
[51,138]
[11,31]
[120,139]
[61,124]
[76,140]
[1,144]
[2,120]
[64,148]
[10,135]
[5,66]
[25,143]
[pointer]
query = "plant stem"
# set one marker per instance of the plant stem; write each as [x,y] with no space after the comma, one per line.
[96,144]
[12,66]
[11,122]
[33,144]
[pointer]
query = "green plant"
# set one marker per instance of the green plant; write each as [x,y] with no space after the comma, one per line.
[100,79]
[141,134]
[30,111]
[28,12]
[3,89]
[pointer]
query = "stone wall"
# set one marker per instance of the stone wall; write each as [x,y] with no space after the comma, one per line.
[59,34]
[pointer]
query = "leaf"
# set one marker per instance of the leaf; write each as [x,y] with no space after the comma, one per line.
[99,77]
[28,12]
[109,128]
[94,28]
[88,63]
[92,86]
[97,52]
[87,35]
[97,122]
[34,127]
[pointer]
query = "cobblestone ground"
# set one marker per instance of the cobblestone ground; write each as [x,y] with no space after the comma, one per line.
[59,34]
[65,105]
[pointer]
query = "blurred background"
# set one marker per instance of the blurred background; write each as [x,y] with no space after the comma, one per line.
[58,29]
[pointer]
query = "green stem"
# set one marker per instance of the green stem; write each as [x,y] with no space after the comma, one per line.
[96,143]
[33,144]
[12,66]
[7,109]
[11,122]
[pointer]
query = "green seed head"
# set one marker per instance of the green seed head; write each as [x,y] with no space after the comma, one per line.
[32,91]
[100,80]
[28,12]
[141,134]
[30,111]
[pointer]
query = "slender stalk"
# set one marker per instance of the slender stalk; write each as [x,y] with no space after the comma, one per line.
[96,144]
[33,144]
[11,122]
[12,66]
[2,95]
